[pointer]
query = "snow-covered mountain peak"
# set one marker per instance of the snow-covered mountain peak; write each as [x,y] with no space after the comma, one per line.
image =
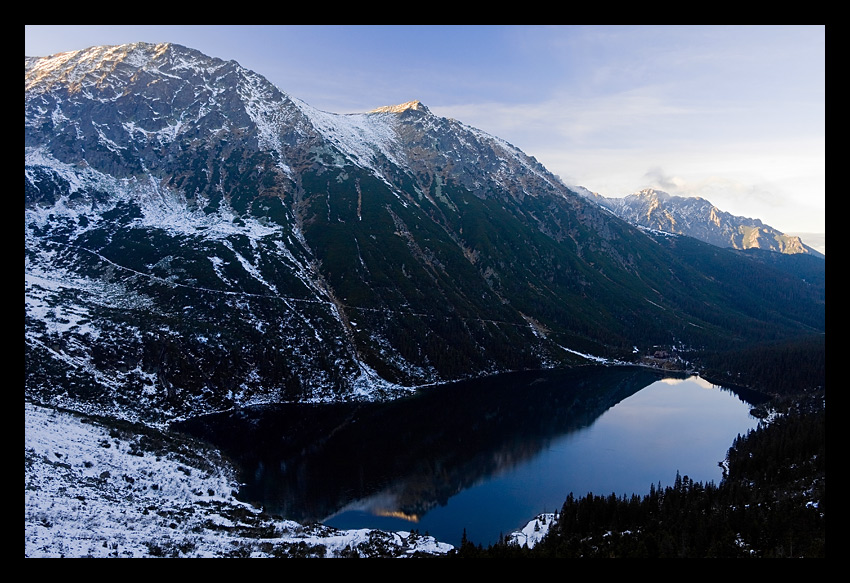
[651,192]
[117,66]
[72,67]
[697,217]
[402,107]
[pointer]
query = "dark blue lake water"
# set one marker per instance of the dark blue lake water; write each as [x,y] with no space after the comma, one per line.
[484,455]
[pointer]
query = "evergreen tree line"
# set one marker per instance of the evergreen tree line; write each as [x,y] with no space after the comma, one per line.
[788,368]
[771,502]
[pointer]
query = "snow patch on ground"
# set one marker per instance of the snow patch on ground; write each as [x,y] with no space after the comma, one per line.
[105,489]
[534,531]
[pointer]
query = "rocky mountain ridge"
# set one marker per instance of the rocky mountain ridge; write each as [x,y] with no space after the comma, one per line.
[697,217]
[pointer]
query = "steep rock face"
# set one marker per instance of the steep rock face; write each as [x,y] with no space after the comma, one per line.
[696,217]
[196,239]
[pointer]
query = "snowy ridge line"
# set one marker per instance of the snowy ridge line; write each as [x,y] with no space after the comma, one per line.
[274,297]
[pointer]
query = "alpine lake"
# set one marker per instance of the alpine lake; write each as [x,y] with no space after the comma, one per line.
[486,455]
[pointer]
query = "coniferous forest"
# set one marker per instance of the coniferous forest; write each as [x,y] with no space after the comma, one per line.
[772,504]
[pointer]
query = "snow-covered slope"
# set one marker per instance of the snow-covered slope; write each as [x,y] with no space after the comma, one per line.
[108,490]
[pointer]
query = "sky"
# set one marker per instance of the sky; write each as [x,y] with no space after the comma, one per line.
[735,114]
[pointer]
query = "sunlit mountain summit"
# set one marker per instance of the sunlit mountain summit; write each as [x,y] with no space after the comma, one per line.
[697,217]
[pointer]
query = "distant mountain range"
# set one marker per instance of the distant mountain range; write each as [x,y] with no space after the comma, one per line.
[696,217]
[196,240]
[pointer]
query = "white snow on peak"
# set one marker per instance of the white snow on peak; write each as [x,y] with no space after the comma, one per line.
[415,104]
[100,61]
[369,138]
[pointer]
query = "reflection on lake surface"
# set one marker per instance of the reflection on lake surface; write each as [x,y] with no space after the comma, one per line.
[483,455]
